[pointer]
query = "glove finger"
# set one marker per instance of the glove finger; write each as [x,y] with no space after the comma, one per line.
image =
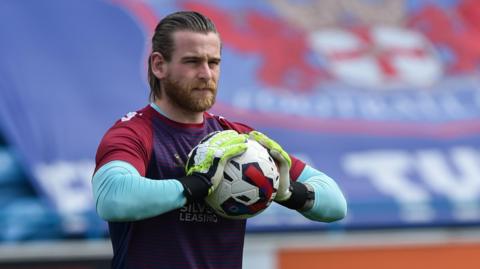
[260,138]
[229,153]
[234,140]
[281,157]
[221,138]
[283,191]
[213,139]
[282,195]
[200,159]
[207,137]
[233,150]
[218,136]
[265,141]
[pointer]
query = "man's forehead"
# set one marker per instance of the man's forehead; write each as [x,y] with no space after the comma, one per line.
[196,44]
[191,37]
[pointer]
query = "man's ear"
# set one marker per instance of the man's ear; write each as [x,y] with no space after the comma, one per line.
[158,65]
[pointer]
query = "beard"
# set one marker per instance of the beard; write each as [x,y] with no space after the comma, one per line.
[188,96]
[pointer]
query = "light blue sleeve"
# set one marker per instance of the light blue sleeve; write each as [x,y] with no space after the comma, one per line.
[330,204]
[122,194]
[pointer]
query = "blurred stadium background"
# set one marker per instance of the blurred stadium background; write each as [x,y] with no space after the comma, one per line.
[384,96]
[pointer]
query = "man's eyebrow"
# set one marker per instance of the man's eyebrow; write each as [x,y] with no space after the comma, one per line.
[191,58]
[186,58]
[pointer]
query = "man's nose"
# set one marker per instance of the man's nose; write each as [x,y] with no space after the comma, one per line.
[205,72]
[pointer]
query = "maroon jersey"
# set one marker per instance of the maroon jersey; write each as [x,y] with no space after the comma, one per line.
[190,237]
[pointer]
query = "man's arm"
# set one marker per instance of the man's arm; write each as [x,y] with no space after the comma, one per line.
[313,193]
[329,204]
[122,194]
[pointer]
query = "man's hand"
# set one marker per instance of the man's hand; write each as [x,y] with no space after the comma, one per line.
[206,162]
[283,161]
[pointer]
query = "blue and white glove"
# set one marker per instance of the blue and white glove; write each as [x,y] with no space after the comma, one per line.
[206,162]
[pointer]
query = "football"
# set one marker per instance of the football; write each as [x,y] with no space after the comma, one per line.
[249,184]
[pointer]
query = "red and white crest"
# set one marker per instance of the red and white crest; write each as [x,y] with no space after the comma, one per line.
[378,56]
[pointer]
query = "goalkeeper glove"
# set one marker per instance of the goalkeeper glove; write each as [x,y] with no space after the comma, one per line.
[283,161]
[207,160]
[294,195]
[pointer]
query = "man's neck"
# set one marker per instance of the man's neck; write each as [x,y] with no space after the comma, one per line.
[178,114]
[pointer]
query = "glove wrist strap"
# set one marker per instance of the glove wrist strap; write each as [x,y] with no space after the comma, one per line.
[195,187]
[302,197]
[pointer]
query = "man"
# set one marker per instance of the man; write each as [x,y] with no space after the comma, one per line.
[155,210]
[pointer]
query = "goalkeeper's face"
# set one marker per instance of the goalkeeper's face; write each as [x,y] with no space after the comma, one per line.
[192,74]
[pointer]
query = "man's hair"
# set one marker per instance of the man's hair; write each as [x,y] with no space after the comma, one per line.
[162,40]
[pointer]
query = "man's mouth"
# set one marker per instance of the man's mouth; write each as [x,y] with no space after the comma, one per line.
[204,89]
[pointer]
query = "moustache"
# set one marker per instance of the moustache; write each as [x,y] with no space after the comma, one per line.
[211,86]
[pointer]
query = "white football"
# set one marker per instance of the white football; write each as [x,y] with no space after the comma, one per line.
[249,185]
